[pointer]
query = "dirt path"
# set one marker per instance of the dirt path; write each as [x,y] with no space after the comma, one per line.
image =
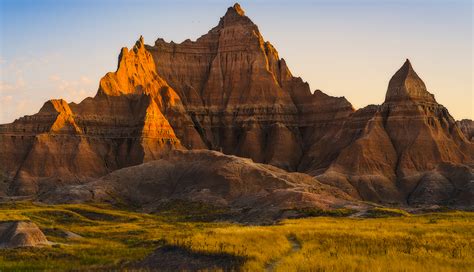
[295,247]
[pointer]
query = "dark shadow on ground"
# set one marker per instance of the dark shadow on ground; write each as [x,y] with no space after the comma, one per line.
[175,258]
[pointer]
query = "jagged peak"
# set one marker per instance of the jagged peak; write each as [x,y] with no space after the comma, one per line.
[405,85]
[235,15]
[139,44]
[55,106]
[407,69]
[236,9]
[138,48]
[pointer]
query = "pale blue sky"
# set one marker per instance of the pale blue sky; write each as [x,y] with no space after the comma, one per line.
[52,49]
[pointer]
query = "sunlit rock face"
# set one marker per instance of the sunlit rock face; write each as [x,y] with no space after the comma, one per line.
[126,123]
[230,91]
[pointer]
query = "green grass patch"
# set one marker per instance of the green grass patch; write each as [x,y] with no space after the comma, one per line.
[386,212]
[313,212]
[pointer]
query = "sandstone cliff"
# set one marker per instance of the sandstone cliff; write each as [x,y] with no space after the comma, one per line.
[126,123]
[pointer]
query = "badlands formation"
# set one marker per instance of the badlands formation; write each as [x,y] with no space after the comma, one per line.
[158,126]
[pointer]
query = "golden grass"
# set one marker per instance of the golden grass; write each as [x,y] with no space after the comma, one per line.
[430,242]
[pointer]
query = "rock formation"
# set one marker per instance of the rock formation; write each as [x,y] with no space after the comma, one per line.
[241,96]
[15,234]
[208,177]
[126,123]
[230,91]
[408,149]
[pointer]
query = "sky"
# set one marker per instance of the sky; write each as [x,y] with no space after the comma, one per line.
[351,48]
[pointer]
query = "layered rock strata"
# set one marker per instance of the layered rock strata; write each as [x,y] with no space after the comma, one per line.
[230,91]
[409,149]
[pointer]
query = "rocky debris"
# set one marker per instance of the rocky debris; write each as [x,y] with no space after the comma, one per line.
[15,234]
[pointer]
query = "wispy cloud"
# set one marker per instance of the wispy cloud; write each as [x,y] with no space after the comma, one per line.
[26,82]
[5,99]
[18,85]
[12,108]
[72,90]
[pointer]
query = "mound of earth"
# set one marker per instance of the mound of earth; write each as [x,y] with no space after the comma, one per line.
[15,234]
[211,177]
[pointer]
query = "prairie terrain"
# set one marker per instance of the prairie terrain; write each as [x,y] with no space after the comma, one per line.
[88,237]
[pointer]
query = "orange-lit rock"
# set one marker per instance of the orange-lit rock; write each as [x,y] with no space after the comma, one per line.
[123,125]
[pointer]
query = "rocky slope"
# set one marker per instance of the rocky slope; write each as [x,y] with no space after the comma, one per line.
[230,91]
[258,192]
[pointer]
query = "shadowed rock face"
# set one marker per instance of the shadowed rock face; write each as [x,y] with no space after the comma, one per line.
[467,127]
[241,96]
[407,85]
[408,149]
[230,91]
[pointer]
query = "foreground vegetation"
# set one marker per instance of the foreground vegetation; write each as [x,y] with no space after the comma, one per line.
[113,238]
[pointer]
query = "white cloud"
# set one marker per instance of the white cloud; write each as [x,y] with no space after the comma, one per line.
[18,85]
[11,108]
[72,90]
[25,106]
[6,99]
[28,81]
[54,78]
[86,80]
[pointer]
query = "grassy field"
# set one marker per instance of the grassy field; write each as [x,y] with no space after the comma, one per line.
[114,238]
